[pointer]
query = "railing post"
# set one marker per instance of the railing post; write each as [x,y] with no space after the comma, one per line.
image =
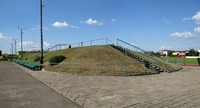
[100,68]
[163,65]
[81,44]
[62,67]
[78,66]
[144,67]
[124,68]
[91,43]
[106,41]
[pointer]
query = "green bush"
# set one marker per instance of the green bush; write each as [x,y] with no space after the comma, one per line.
[56,59]
[36,59]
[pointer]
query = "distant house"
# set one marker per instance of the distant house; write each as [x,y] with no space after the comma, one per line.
[179,54]
[165,52]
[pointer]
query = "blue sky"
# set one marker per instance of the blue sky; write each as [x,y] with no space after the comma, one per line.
[149,24]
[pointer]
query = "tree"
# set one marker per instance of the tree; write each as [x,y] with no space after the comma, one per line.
[192,52]
[157,54]
[170,54]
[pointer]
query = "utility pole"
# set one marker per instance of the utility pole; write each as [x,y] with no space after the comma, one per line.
[11,51]
[15,46]
[21,43]
[41,32]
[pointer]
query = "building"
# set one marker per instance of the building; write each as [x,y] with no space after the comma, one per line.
[165,52]
[179,54]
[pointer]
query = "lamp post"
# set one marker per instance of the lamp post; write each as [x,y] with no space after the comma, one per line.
[15,46]
[21,29]
[41,33]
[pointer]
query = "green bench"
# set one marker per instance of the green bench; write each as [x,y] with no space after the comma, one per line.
[30,65]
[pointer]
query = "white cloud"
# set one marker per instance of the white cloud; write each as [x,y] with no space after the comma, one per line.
[113,20]
[166,20]
[3,37]
[184,35]
[186,19]
[30,45]
[197,18]
[64,25]
[25,43]
[60,24]
[90,21]
[46,44]
[197,29]
[164,47]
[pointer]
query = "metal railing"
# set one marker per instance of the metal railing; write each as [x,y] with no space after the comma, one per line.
[101,41]
[163,63]
[101,68]
[133,49]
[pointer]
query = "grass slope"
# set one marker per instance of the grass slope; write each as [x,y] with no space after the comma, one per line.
[95,54]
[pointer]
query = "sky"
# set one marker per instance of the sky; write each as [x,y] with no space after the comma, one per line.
[152,25]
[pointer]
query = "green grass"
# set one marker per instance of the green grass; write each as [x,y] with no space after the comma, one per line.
[88,55]
[30,56]
[183,60]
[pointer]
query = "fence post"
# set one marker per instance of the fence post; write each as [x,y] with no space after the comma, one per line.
[78,66]
[62,67]
[91,43]
[124,68]
[164,65]
[106,41]
[81,44]
[100,68]
[144,67]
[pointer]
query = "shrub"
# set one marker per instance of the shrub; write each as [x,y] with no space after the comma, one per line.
[36,59]
[56,59]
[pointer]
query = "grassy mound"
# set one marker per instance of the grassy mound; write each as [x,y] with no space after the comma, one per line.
[94,60]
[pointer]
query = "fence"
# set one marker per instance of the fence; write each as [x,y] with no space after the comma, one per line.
[103,68]
[101,41]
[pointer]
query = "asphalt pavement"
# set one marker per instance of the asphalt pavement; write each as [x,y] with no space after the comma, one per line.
[19,89]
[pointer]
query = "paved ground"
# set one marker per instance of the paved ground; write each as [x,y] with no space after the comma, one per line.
[19,89]
[175,90]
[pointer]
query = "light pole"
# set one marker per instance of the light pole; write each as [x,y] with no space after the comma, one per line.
[11,51]
[15,46]
[41,33]
[21,29]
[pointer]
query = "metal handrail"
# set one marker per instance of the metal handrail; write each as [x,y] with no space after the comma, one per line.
[136,48]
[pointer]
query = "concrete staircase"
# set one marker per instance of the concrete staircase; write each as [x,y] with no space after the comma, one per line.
[149,63]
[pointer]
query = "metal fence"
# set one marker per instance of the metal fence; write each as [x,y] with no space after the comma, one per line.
[101,41]
[103,68]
